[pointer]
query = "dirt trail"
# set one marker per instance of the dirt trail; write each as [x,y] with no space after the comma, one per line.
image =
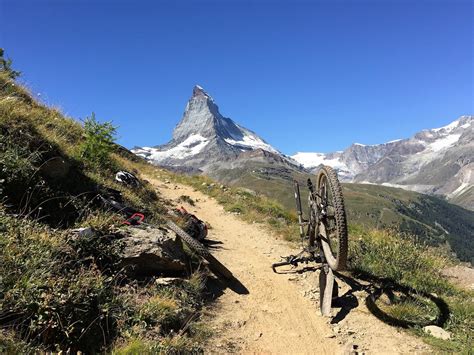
[279,314]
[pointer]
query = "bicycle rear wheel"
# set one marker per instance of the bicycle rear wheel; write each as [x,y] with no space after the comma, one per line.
[332,228]
[214,264]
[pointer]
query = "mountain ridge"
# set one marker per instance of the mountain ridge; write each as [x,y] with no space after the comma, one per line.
[435,161]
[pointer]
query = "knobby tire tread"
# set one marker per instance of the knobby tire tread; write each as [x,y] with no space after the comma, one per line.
[214,264]
[340,216]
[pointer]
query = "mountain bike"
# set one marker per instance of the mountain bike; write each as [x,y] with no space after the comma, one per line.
[324,233]
[112,199]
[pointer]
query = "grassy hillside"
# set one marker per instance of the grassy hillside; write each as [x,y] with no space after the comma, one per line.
[58,292]
[432,220]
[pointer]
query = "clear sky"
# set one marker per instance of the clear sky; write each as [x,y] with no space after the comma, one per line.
[305,75]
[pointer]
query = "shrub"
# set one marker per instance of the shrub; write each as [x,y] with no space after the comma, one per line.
[99,141]
[6,66]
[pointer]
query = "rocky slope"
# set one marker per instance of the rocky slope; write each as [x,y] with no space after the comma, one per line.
[437,161]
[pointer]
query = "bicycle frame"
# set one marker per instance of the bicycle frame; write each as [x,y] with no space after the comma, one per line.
[315,233]
[313,251]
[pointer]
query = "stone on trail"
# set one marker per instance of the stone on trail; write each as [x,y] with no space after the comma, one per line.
[152,251]
[437,332]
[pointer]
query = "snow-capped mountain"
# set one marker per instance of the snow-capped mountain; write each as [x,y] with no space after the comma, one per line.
[205,140]
[437,161]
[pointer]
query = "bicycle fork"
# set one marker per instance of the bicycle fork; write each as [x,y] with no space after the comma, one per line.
[299,210]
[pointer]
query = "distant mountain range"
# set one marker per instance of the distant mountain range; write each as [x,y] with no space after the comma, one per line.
[438,161]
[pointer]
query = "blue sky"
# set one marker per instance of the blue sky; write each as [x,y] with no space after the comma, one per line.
[305,75]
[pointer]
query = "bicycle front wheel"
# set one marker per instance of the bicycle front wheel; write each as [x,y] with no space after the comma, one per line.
[332,228]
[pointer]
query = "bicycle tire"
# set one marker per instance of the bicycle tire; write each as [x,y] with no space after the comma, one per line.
[197,247]
[336,262]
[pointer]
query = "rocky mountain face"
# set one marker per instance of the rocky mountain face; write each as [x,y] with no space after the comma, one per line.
[205,141]
[437,161]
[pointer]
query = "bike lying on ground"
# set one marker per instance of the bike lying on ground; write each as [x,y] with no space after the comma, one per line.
[112,199]
[324,233]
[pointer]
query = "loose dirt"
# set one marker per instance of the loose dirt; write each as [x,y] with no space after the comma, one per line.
[279,313]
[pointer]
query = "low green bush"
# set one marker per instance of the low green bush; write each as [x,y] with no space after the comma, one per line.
[98,141]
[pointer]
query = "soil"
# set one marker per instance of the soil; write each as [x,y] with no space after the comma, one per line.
[271,313]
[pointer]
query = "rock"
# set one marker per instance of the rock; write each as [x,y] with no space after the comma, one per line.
[55,168]
[437,332]
[258,335]
[166,281]
[385,299]
[249,191]
[84,232]
[352,349]
[152,251]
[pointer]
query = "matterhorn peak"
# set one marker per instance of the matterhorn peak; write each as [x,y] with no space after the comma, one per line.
[206,137]
[198,91]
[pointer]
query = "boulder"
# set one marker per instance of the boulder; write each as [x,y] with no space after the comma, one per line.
[150,251]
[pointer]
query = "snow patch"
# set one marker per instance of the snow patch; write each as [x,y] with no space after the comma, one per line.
[251,142]
[444,143]
[448,128]
[192,145]
[313,160]
[465,183]
[460,189]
